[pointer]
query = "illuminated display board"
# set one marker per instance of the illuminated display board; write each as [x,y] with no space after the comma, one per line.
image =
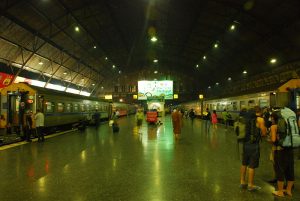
[155,89]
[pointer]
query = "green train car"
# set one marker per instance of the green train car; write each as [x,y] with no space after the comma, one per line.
[62,110]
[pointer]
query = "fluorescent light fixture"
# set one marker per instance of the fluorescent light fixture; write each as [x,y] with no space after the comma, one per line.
[155,72]
[73,91]
[232,27]
[41,63]
[197,66]
[37,83]
[77,29]
[204,57]
[245,72]
[55,87]
[216,45]
[155,60]
[95,46]
[85,93]
[93,84]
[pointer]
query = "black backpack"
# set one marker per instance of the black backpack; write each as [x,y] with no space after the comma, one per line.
[252,131]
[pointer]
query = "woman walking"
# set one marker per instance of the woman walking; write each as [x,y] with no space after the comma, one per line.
[214,119]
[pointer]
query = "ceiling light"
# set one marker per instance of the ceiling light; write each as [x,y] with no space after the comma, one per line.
[155,72]
[95,46]
[120,72]
[216,45]
[217,83]
[113,66]
[153,39]
[232,27]
[106,58]
[121,100]
[209,87]
[204,57]
[155,60]
[93,84]
[77,29]
[273,61]
[41,63]
[245,72]
[229,79]
[65,73]
[102,87]
[197,66]
[82,79]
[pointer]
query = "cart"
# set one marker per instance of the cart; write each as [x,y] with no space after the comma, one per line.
[152,116]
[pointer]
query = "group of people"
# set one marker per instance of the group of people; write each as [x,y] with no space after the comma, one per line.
[32,125]
[283,157]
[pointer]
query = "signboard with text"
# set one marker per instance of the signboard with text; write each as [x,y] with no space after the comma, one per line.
[155,89]
[5,79]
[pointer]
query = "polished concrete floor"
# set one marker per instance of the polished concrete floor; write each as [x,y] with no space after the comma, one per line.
[100,165]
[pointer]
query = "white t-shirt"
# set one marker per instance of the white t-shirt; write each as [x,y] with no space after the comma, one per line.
[39,119]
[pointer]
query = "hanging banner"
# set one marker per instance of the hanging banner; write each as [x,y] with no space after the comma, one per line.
[5,79]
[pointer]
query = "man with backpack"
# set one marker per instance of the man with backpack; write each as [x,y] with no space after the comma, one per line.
[255,130]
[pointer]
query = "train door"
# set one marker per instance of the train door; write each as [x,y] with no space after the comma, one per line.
[295,99]
[18,104]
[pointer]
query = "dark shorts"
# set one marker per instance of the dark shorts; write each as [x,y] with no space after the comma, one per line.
[251,154]
[284,164]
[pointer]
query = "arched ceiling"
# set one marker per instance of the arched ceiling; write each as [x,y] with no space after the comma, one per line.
[117,33]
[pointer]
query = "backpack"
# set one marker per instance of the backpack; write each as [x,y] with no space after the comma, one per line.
[287,129]
[253,133]
[240,128]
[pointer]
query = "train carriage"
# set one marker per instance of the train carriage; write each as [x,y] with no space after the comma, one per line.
[284,95]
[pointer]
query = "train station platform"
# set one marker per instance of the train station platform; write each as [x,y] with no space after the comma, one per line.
[98,164]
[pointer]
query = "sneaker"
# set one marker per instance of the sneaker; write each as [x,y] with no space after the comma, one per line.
[253,188]
[243,186]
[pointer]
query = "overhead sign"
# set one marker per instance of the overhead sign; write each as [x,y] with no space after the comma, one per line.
[158,89]
[5,79]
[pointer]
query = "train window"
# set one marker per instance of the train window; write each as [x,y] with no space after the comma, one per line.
[251,103]
[82,108]
[234,106]
[68,107]
[243,104]
[76,108]
[49,107]
[263,103]
[60,107]
[88,108]
[96,107]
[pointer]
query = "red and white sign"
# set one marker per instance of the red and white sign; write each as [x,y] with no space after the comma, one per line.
[5,79]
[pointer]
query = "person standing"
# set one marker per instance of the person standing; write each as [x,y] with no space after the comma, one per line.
[207,120]
[214,119]
[192,115]
[176,121]
[225,116]
[283,162]
[28,126]
[97,117]
[139,119]
[39,124]
[255,129]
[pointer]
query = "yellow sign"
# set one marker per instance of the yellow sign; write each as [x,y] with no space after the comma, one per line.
[135,96]
[201,96]
[108,97]
[175,96]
